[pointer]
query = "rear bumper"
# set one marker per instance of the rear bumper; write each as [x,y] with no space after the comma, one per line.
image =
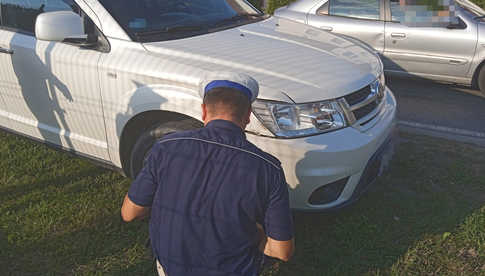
[312,162]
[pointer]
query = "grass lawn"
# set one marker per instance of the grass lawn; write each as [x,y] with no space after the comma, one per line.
[59,215]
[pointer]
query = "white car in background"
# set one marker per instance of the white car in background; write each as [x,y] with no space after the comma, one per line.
[106,78]
[448,48]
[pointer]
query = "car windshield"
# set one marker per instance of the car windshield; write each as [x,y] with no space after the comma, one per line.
[158,20]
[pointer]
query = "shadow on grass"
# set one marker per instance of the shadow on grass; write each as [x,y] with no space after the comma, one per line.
[38,185]
[76,229]
[63,220]
[104,247]
[432,187]
[4,249]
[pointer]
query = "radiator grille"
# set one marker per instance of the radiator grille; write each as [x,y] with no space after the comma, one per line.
[363,102]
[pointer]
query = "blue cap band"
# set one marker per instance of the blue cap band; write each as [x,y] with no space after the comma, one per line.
[229,84]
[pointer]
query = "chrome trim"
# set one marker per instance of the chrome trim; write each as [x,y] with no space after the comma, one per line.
[369,117]
[372,97]
[347,113]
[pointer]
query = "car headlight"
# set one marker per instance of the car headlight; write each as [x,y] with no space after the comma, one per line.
[378,87]
[295,120]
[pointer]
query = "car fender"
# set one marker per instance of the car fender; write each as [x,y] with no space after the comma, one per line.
[479,57]
[148,98]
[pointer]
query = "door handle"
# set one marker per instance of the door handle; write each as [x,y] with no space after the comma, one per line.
[398,35]
[6,51]
[456,62]
[326,28]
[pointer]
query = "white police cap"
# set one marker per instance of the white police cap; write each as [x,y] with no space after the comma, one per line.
[239,81]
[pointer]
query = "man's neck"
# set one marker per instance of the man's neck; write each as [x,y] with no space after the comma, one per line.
[225,118]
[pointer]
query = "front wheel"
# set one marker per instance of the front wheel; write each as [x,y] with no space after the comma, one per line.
[147,139]
[481,81]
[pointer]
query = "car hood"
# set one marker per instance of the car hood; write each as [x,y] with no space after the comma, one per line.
[291,61]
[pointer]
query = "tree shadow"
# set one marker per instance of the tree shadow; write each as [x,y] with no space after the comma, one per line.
[92,240]
[39,89]
[430,188]
[37,187]
[85,250]
[66,220]
[135,125]
[141,91]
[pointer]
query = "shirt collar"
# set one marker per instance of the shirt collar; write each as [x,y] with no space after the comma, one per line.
[226,125]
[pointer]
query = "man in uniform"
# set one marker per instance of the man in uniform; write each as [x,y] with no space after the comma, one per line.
[218,203]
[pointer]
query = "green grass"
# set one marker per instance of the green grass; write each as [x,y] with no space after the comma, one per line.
[425,216]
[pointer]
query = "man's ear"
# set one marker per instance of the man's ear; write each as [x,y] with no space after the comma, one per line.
[204,112]
[247,120]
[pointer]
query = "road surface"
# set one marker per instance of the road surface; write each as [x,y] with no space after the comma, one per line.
[439,107]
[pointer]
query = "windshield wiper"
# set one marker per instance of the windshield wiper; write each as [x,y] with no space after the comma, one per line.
[479,17]
[237,18]
[170,30]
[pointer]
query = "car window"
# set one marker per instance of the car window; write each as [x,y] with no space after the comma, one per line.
[397,11]
[21,14]
[364,9]
[425,14]
[323,10]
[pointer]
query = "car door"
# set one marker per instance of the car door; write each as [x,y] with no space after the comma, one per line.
[51,88]
[4,71]
[429,51]
[362,20]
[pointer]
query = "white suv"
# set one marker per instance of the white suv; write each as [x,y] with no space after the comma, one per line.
[106,78]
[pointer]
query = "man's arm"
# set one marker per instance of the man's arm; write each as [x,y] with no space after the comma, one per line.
[139,198]
[131,211]
[282,250]
[278,235]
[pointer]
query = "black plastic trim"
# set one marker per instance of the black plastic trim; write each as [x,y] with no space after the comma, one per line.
[355,196]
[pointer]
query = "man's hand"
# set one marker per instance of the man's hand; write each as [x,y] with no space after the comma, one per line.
[131,211]
[282,250]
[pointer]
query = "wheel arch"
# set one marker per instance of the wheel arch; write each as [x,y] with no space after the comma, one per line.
[138,110]
[476,73]
[139,124]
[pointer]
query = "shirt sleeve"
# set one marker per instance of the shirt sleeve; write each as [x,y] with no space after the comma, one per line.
[278,219]
[143,188]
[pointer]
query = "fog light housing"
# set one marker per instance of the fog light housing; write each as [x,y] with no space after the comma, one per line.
[328,193]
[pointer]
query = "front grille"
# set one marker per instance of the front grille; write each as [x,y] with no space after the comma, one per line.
[365,110]
[358,96]
[363,103]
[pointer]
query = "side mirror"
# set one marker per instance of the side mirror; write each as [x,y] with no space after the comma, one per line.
[61,26]
[456,23]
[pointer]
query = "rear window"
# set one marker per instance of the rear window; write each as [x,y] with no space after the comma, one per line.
[362,9]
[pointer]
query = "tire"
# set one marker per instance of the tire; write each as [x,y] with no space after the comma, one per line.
[481,81]
[147,139]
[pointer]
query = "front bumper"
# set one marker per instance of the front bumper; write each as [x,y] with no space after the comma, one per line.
[312,162]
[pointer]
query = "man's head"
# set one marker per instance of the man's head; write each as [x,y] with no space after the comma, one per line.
[228,96]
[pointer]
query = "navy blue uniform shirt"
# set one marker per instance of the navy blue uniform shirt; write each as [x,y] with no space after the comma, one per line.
[208,188]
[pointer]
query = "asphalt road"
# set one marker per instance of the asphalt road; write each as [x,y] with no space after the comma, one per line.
[437,105]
